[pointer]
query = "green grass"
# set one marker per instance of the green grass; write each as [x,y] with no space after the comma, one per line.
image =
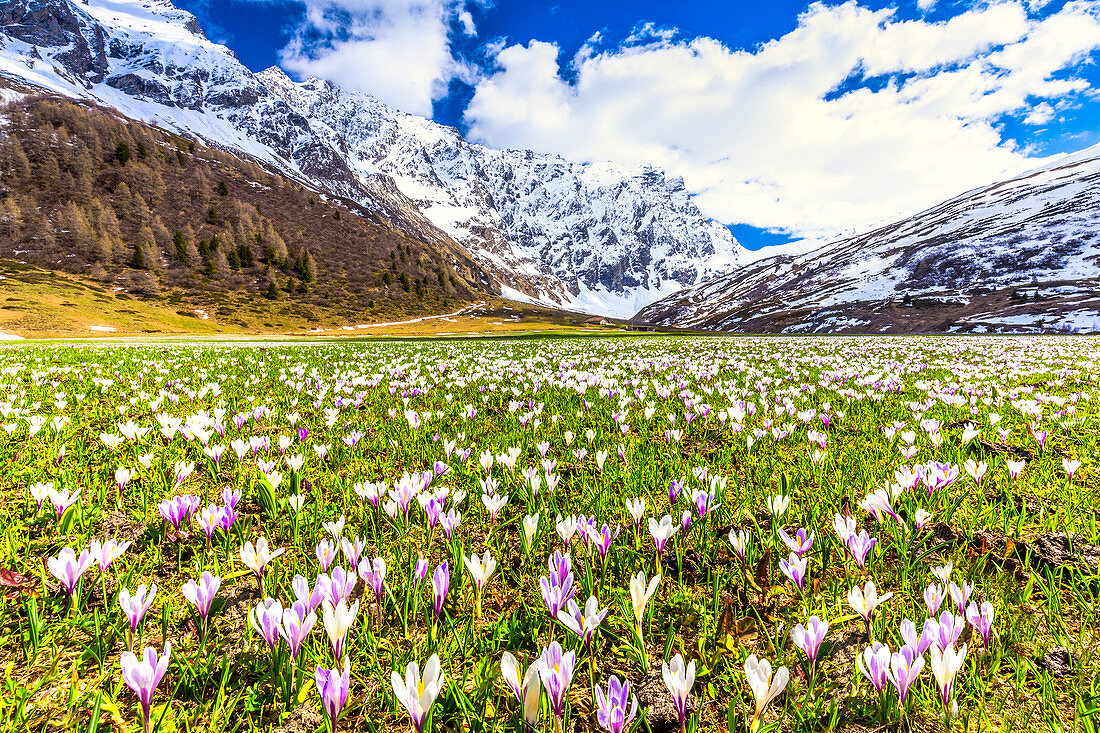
[61,664]
[42,304]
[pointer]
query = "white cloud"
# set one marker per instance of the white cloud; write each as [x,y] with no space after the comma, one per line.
[779,136]
[467,21]
[1040,114]
[397,50]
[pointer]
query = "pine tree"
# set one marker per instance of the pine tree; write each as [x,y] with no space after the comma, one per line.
[138,260]
[309,267]
[123,154]
[244,255]
[179,243]
[147,242]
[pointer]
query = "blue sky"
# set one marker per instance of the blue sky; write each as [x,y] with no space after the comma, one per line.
[785,119]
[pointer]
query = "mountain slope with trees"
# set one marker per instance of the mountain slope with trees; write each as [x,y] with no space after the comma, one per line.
[88,192]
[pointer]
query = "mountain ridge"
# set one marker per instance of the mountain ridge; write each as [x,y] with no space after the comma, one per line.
[591,237]
[1018,255]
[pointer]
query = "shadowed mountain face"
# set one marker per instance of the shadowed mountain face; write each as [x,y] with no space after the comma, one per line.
[1022,255]
[594,237]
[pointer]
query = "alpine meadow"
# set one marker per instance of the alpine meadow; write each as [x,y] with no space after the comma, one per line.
[487,366]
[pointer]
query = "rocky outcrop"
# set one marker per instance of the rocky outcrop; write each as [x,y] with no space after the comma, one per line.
[1018,256]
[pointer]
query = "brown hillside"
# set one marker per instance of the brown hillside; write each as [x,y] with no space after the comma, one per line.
[88,192]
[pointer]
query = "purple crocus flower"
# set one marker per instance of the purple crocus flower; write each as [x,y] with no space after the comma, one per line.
[326,552]
[135,607]
[421,571]
[449,521]
[1040,436]
[860,545]
[795,568]
[611,709]
[918,643]
[557,587]
[905,668]
[300,586]
[231,497]
[298,621]
[143,676]
[933,598]
[416,691]
[800,543]
[352,549]
[373,573]
[945,667]
[68,567]
[201,595]
[210,519]
[874,664]
[602,539]
[661,532]
[337,585]
[583,622]
[267,618]
[674,490]
[174,511]
[948,629]
[106,552]
[441,583]
[679,679]
[981,618]
[960,594]
[939,475]
[809,638]
[333,685]
[584,524]
[62,500]
[556,670]
[228,517]
[433,509]
[705,502]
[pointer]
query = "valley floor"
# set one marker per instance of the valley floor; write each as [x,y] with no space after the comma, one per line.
[43,304]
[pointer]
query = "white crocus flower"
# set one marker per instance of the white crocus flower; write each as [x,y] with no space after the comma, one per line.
[758,672]
[417,692]
[777,505]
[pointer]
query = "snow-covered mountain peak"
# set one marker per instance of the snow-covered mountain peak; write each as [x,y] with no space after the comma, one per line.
[591,236]
[595,236]
[1021,254]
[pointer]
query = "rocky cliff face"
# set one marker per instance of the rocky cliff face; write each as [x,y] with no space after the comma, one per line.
[1021,255]
[592,237]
